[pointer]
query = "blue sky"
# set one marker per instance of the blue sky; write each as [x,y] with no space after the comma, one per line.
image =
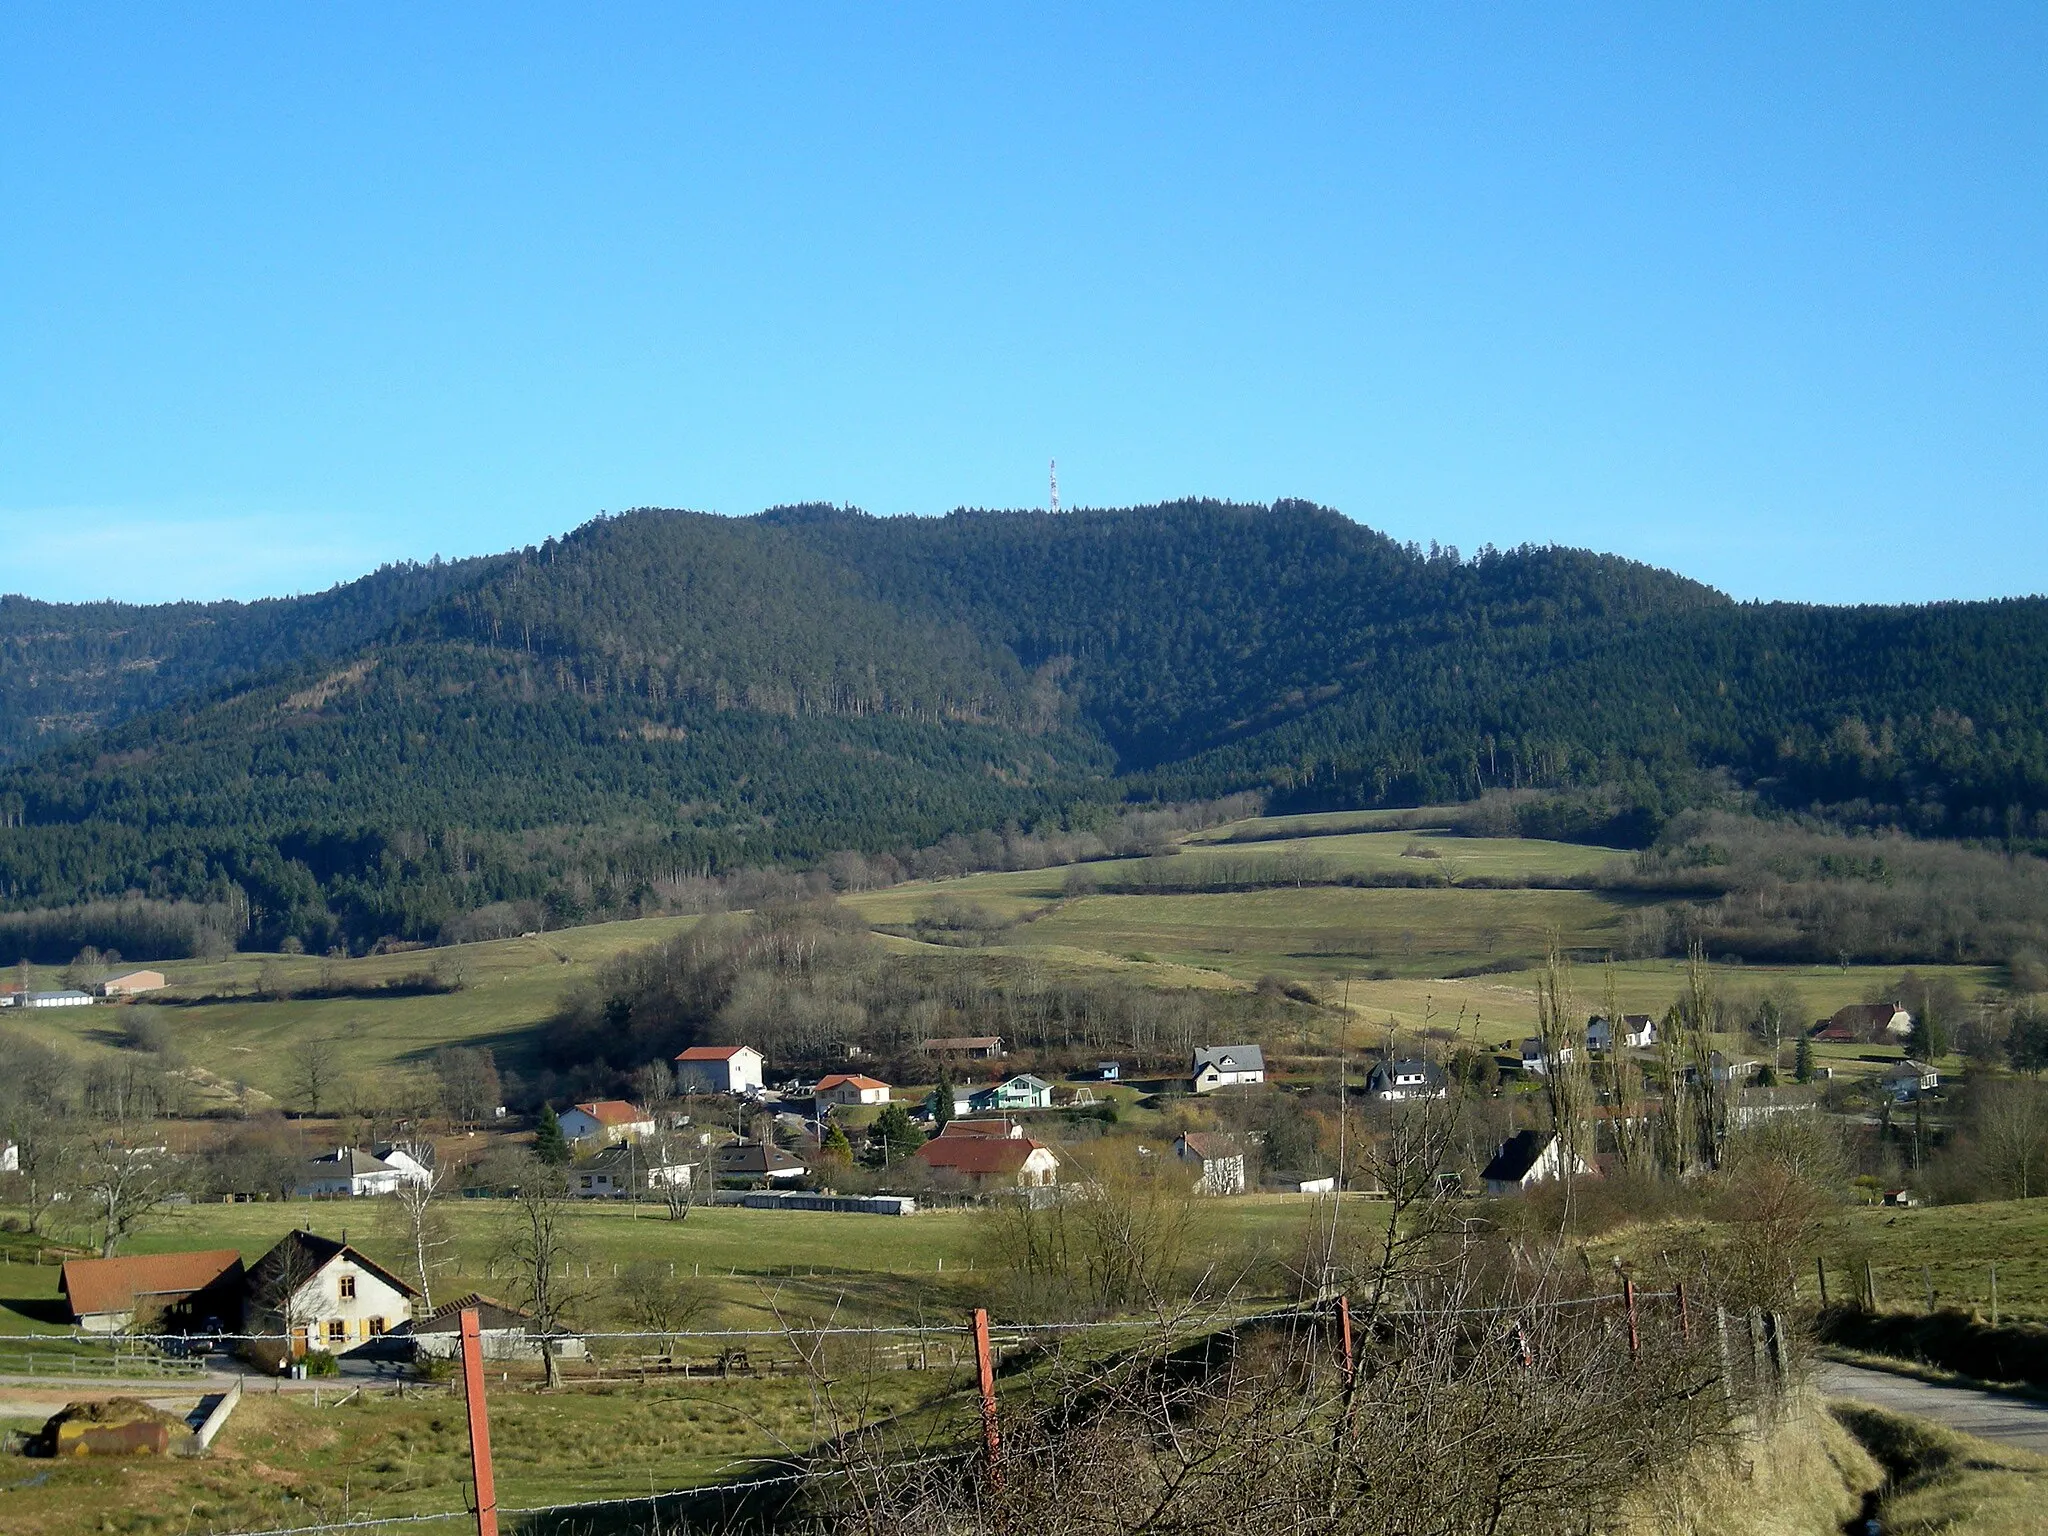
[1758,293]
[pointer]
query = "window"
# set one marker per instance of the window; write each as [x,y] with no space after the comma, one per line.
[337,1331]
[348,1287]
[586,1181]
[376,1327]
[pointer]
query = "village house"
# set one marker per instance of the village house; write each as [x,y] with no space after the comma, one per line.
[756,1163]
[1638,1031]
[1526,1159]
[604,1121]
[166,1292]
[322,1295]
[850,1088]
[414,1160]
[1537,1062]
[1909,1079]
[734,1069]
[504,1331]
[1001,1130]
[969,1047]
[131,984]
[348,1172]
[1221,1160]
[69,998]
[1226,1066]
[1865,1024]
[1020,1092]
[624,1168]
[1393,1082]
[990,1162]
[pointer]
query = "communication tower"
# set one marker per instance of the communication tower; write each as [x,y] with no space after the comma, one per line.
[1055,484]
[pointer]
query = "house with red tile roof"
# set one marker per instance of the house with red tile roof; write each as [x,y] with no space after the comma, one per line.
[171,1292]
[846,1088]
[1015,1162]
[606,1120]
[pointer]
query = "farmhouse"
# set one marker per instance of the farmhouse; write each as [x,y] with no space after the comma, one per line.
[1525,1159]
[972,1047]
[1020,1092]
[131,984]
[1221,1160]
[414,1160]
[721,1069]
[323,1295]
[505,1332]
[1865,1024]
[1392,1082]
[848,1088]
[605,1120]
[348,1171]
[1226,1066]
[1015,1162]
[625,1167]
[167,1292]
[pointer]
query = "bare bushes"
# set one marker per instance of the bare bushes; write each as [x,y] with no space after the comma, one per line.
[1120,1237]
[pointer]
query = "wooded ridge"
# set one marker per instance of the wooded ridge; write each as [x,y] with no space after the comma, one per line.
[664,692]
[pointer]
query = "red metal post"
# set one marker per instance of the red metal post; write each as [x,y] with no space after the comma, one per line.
[1628,1296]
[985,1369]
[1522,1340]
[479,1425]
[1344,1329]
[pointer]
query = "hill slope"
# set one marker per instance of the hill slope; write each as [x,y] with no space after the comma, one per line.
[662,692]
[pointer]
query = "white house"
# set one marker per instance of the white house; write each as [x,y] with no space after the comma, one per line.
[348,1171]
[10,1157]
[131,984]
[1226,1066]
[1909,1079]
[605,1120]
[504,1331]
[1638,1031]
[323,1295]
[721,1069]
[624,1167]
[1221,1160]
[848,1088]
[1537,1063]
[413,1160]
[1392,1082]
[1002,1161]
[1527,1158]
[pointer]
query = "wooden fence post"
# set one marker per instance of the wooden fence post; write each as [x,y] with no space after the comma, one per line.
[985,1370]
[1757,1364]
[479,1425]
[1727,1359]
[1927,1279]
[1628,1297]
[1344,1333]
[1869,1286]
[1820,1268]
[1994,1295]
[1684,1315]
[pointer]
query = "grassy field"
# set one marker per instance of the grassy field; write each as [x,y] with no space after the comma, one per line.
[1953,1247]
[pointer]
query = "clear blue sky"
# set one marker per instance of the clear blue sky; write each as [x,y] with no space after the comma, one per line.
[287,291]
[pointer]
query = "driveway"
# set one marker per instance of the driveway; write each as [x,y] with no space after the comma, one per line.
[2016,1421]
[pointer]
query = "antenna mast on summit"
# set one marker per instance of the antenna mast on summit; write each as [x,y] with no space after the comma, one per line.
[1055,484]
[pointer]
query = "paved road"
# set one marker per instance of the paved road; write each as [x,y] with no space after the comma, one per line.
[1994,1416]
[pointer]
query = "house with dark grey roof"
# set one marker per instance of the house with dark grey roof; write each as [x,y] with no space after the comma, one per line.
[1526,1159]
[1392,1082]
[349,1171]
[321,1295]
[1226,1066]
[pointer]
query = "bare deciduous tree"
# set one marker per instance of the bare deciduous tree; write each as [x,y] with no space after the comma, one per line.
[538,1245]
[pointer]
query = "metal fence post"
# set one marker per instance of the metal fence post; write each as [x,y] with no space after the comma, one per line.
[1628,1297]
[479,1425]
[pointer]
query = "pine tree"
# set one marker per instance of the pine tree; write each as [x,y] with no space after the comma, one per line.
[942,1101]
[835,1143]
[894,1136]
[549,1144]
[1802,1060]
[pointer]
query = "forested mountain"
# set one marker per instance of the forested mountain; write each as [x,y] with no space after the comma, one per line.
[72,667]
[661,693]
